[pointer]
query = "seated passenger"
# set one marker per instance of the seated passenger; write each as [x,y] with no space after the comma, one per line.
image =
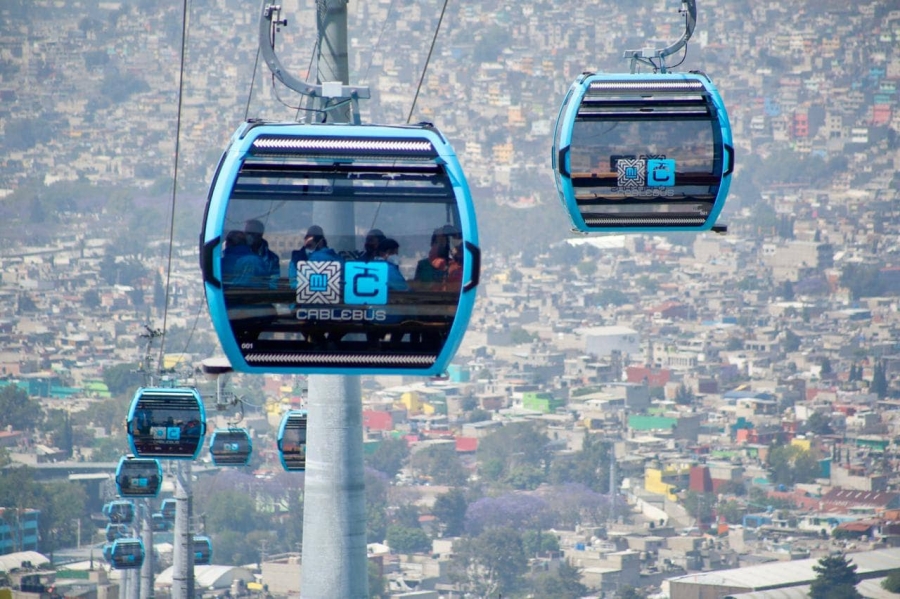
[434,269]
[371,246]
[253,230]
[241,267]
[315,249]
[388,250]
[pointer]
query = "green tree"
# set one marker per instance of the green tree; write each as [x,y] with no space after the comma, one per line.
[377,587]
[791,341]
[18,411]
[586,269]
[538,543]
[879,384]
[234,548]
[403,539]
[731,510]
[122,378]
[627,592]
[109,449]
[441,463]
[516,444]
[790,465]
[892,582]
[683,395]
[519,336]
[450,510]
[231,510]
[564,584]
[376,506]
[836,578]
[590,466]
[389,456]
[699,505]
[491,564]
[819,424]
[610,295]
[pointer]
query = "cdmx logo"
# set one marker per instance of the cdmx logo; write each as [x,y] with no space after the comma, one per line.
[632,173]
[334,283]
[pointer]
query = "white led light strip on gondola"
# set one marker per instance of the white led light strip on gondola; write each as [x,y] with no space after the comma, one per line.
[294,143]
[338,359]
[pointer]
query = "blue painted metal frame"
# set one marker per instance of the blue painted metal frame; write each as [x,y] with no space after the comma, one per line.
[146,469]
[295,416]
[193,406]
[212,236]
[562,141]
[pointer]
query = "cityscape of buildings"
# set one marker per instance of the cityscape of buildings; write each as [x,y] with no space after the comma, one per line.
[692,358]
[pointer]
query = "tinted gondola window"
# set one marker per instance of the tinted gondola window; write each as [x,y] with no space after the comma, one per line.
[332,251]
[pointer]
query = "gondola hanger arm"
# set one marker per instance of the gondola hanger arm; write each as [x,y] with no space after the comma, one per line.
[647,55]
[270,23]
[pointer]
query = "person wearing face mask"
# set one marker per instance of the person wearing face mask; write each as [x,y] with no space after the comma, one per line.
[315,249]
[389,251]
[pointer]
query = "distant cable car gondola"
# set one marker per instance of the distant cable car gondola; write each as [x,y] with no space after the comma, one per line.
[138,477]
[127,553]
[119,511]
[166,423]
[158,523]
[643,152]
[230,447]
[168,509]
[292,440]
[116,531]
[202,550]
[377,257]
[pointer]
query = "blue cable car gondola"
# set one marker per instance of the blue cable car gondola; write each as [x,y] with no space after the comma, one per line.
[138,477]
[127,554]
[230,447]
[158,523]
[119,511]
[116,531]
[292,440]
[202,550]
[643,152]
[107,552]
[168,509]
[166,423]
[377,257]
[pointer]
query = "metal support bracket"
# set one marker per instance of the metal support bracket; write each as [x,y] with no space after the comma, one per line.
[270,24]
[646,56]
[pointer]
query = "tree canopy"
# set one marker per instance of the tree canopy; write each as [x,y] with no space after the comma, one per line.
[836,578]
[18,410]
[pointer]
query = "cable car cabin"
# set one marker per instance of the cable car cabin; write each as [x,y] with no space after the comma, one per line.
[341,249]
[230,447]
[292,440]
[119,511]
[643,152]
[158,523]
[107,552]
[168,508]
[167,423]
[127,554]
[202,551]
[138,477]
[116,531]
